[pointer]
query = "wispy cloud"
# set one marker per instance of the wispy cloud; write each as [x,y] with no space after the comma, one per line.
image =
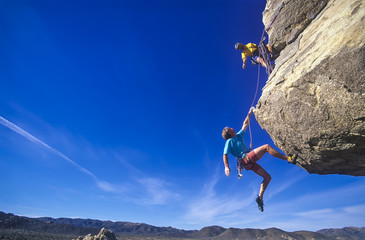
[314,211]
[311,211]
[334,197]
[355,209]
[314,220]
[210,207]
[127,155]
[103,185]
[153,190]
[315,214]
[294,175]
[156,192]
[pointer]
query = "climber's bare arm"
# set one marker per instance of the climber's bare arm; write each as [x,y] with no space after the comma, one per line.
[227,170]
[247,120]
[244,63]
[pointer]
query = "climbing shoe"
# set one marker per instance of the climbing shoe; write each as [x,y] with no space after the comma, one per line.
[293,159]
[260,204]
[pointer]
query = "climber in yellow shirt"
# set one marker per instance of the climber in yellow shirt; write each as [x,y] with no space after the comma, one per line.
[251,50]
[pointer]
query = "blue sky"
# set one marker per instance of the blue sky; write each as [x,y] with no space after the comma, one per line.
[113,110]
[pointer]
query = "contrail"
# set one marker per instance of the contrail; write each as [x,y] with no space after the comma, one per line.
[102,184]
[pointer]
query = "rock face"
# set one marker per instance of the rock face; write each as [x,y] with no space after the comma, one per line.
[314,100]
[104,234]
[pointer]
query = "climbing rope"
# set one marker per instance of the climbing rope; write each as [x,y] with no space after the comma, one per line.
[277,10]
[268,71]
[269,66]
[257,86]
[239,165]
[264,53]
[253,102]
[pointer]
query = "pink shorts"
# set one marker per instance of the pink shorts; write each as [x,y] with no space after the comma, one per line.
[253,159]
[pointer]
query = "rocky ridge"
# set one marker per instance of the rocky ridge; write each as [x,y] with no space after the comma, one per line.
[104,234]
[45,228]
[314,101]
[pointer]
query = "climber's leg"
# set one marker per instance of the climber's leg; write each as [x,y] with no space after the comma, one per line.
[273,52]
[267,178]
[269,47]
[261,61]
[260,151]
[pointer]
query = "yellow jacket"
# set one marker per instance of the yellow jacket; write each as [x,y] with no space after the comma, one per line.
[249,50]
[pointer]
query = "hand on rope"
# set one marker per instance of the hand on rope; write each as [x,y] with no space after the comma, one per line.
[251,110]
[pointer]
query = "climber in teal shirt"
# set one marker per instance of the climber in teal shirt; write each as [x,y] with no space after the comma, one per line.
[235,144]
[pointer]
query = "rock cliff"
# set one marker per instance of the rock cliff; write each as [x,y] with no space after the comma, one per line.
[314,101]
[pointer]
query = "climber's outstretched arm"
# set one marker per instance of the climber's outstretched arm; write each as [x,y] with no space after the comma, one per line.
[247,120]
[244,60]
[227,170]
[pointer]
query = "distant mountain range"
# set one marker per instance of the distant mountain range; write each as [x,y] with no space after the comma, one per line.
[69,226]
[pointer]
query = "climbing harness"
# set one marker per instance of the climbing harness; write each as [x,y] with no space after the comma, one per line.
[239,169]
[263,52]
[241,163]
